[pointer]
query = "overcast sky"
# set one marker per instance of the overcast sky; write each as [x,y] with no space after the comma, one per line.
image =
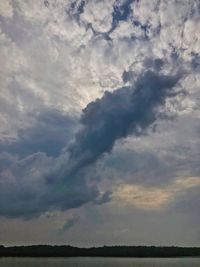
[100,122]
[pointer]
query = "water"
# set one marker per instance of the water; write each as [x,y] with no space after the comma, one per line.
[99,262]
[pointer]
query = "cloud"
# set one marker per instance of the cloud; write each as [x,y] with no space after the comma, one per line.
[126,111]
[70,223]
[104,197]
[50,132]
[6,9]
[99,15]
[24,192]
[154,198]
[116,60]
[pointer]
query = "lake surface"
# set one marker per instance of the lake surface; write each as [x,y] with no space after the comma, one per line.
[99,262]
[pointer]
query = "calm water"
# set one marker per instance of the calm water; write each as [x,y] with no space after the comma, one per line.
[98,262]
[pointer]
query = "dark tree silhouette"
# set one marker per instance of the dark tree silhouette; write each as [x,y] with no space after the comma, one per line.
[106,251]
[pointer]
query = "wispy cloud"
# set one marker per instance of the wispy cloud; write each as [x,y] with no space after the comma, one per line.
[70,223]
[153,198]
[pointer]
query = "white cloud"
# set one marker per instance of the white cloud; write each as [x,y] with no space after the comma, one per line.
[99,15]
[6,9]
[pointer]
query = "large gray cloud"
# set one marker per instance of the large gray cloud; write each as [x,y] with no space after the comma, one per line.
[50,132]
[128,110]
[24,193]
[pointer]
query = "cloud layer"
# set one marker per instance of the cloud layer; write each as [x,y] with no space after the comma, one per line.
[99,112]
[128,110]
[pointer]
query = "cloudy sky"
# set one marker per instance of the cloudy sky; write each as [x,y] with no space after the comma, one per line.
[100,122]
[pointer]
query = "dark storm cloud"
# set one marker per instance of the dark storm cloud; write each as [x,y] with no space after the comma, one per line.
[126,111]
[69,194]
[24,193]
[50,132]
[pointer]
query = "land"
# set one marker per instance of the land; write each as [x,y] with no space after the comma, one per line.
[105,251]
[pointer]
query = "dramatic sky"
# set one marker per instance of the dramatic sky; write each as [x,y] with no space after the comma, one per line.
[100,122]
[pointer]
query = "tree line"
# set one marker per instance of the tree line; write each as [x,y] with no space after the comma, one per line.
[105,251]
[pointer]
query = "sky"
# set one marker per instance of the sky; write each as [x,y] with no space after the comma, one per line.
[100,122]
